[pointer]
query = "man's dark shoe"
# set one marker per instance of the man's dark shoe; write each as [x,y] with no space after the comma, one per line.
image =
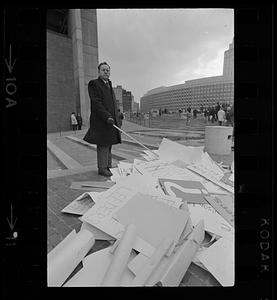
[105,172]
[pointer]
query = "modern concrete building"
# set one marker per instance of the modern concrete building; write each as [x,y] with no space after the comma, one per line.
[228,66]
[194,93]
[72,60]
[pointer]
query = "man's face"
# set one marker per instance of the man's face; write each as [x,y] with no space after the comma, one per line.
[104,72]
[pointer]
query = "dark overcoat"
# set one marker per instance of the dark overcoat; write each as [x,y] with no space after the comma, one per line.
[102,105]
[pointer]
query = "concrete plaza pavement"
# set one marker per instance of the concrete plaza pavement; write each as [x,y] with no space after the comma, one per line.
[59,193]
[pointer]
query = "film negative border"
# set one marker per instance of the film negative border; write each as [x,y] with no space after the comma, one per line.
[23,116]
[23,121]
[253,148]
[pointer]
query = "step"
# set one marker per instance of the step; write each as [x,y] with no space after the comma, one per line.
[60,173]
[63,158]
[115,154]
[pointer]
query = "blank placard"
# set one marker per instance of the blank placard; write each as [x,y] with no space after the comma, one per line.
[153,219]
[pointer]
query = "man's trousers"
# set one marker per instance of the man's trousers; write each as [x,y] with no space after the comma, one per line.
[104,157]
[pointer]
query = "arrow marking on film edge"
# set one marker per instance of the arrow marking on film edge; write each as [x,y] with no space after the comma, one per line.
[11,224]
[10,65]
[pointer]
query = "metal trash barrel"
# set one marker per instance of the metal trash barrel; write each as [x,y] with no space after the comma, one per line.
[218,139]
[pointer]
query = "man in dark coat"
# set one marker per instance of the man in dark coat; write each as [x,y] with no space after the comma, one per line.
[103,115]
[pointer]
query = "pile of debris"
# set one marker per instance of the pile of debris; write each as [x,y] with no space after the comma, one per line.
[172,207]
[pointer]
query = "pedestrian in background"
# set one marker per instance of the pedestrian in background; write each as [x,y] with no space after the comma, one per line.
[74,122]
[227,116]
[216,108]
[188,115]
[180,112]
[231,115]
[220,116]
[104,113]
[195,113]
[206,114]
[79,121]
[212,114]
[120,117]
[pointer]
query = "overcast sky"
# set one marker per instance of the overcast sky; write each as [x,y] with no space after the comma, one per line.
[148,48]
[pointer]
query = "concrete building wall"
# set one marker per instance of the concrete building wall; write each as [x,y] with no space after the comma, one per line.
[72,62]
[206,93]
[60,82]
[145,104]
[136,107]
[75,31]
[228,67]
[90,54]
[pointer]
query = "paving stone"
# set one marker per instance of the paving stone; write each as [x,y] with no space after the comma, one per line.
[56,183]
[59,224]
[78,177]
[67,195]
[50,230]
[55,239]
[52,187]
[77,225]
[80,153]
[55,203]
[58,196]
[83,176]
[62,216]
[49,248]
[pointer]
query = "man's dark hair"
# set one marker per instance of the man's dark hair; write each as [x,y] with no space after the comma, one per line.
[103,63]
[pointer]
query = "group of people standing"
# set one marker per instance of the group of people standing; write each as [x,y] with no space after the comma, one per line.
[223,114]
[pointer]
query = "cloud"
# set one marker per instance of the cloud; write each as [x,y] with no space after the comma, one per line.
[147,48]
[211,67]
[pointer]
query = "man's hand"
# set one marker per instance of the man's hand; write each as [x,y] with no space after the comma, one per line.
[110,121]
